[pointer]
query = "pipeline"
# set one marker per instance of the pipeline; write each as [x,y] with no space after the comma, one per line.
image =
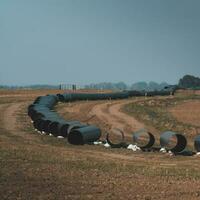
[74,126]
[121,144]
[84,135]
[166,140]
[61,127]
[197,143]
[45,119]
[148,141]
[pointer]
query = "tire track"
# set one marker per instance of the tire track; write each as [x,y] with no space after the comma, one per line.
[10,123]
[111,114]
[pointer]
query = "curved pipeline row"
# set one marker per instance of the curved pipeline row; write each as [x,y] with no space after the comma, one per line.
[46,120]
[169,142]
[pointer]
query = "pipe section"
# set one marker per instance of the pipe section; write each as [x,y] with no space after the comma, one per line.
[84,135]
[143,139]
[173,141]
[120,144]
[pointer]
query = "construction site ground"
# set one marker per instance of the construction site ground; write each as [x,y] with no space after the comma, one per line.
[35,166]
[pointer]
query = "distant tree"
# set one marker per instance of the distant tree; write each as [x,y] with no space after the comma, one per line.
[139,86]
[153,86]
[107,85]
[189,81]
[163,85]
[121,86]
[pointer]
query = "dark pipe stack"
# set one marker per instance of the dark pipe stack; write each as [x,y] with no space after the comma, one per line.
[142,132]
[181,141]
[121,144]
[46,120]
[197,143]
[87,134]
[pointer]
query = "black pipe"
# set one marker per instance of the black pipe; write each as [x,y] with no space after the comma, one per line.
[121,144]
[47,101]
[75,126]
[63,129]
[38,124]
[84,135]
[91,96]
[46,124]
[135,93]
[197,143]
[181,141]
[137,136]
[41,111]
[61,97]
[66,97]
[54,125]
[158,93]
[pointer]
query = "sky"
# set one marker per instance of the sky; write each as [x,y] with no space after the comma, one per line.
[92,41]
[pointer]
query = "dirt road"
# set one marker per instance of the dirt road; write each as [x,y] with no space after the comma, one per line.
[111,114]
[106,114]
[9,117]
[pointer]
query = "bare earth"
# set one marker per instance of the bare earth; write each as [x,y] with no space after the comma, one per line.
[10,113]
[188,112]
[111,114]
[34,166]
[104,114]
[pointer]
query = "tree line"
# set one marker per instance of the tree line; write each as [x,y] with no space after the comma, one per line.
[188,81]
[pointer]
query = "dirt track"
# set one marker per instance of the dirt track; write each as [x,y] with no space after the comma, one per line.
[110,113]
[41,167]
[10,113]
[107,114]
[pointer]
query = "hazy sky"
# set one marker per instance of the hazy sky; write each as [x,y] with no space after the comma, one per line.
[84,41]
